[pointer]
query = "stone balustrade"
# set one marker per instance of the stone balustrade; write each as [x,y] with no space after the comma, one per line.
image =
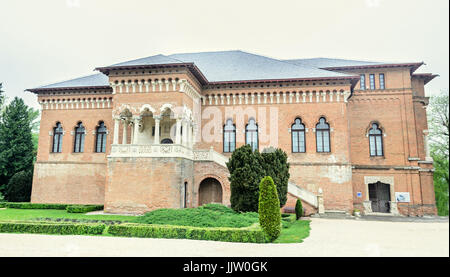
[165,151]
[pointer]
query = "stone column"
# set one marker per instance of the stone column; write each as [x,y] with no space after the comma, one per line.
[136,121]
[184,140]
[194,134]
[125,127]
[116,131]
[157,120]
[190,139]
[178,132]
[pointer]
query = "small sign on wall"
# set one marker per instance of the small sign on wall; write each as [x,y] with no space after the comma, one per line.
[402,197]
[359,194]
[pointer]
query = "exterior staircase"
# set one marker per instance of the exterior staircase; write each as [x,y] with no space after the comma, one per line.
[312,199]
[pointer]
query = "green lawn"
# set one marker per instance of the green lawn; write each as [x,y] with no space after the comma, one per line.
[212,215]
[33,214]
[297,232]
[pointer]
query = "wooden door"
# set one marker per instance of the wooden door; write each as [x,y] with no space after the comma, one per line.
[379,195]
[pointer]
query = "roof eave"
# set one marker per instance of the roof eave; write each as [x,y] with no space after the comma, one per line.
[194,69]
[413,66]
[427,77]
[37,90]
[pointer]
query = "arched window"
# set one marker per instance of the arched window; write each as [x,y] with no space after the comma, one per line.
[229,137]
[100,139]
[323,135]
[298,136]
[375,140]
[251,134]
[79,138]
[57,138]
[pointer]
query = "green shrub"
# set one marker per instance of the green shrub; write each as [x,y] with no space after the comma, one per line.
[218,208]
[269,208]
[298,209]
[83,208]
[19,186]
[28,205]
[2,204]
[51,228]
[245,174]
[248,167]
[211,215]
[276,166]
[185,232]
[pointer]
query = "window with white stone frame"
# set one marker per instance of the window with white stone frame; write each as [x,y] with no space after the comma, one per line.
[229,137]
[100,140]
[80,133]
[251,134]
[298,136]
[375,141]
[57,138]
[323,136]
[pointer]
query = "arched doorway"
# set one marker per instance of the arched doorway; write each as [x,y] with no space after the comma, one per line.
[167,141]
[210,191]
[380,197]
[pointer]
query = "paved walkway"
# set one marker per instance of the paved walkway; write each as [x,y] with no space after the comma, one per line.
[329,237]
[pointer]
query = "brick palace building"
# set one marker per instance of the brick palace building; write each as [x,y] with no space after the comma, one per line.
[156,132]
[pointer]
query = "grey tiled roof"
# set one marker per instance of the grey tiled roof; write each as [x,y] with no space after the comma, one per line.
[241,66]
[326,62]
[95,80]
[236,65]
[152,60]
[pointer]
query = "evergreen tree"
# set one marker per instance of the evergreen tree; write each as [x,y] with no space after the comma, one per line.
[298,209]
[276,166]
[269,208]
[19,186]
[248,167]
[16,145]
[245,175]
[2,96]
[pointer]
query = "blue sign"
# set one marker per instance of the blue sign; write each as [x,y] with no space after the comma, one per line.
[359,194]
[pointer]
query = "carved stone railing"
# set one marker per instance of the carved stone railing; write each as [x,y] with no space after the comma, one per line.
[151,151]
[210,155]
[166,150]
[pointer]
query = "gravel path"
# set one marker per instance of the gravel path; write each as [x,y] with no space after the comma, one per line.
[329,237]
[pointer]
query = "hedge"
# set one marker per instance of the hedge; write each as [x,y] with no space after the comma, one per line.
[71,208]
[83,208]
[28,205]
[185,232]
[52,228]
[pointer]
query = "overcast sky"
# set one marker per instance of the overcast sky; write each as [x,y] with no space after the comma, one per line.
[47,41]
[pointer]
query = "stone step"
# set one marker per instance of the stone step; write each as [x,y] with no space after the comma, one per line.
[334,214]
